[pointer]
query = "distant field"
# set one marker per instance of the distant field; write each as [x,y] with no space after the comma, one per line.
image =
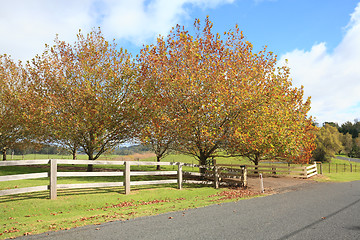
[148,156]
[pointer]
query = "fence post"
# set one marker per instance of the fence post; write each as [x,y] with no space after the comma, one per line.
[350,167]
[289,169]
[53,179]
[180,176]
[244,175]
[216,177]
[127,177]
[321,170]
[261,183]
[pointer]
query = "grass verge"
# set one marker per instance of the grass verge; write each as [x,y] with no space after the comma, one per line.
[34,213]
[339,171]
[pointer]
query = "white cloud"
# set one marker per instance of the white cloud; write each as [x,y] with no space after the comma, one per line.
[332,79]
[139,20]
[27,25]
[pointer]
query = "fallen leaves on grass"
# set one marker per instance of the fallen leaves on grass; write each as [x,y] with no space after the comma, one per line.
[134,204]
[11,230]
[56,213]
[233,194]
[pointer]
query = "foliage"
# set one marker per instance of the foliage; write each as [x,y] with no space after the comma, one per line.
[12,96]
[328,143]
[279,129]
[352,128]
[84,90]
[355,150]
[209,90]
[347,142]
[155,130]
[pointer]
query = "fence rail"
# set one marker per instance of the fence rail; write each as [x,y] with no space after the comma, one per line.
[272,170]
[338,167]
[216,175]
[53,174]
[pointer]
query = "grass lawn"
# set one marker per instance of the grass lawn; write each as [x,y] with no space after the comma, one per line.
[339,171]
[34,213]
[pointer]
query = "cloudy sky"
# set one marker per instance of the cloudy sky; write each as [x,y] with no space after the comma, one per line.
[320,39]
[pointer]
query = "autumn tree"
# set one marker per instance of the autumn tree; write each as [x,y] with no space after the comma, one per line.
[12,90]
[207,87]
[155,131]
[85,90]
[279,129]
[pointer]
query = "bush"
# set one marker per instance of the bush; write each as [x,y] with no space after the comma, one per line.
[355,152]
[319,154]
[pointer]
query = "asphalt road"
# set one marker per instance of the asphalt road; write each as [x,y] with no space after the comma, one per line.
[317,211]
[351,159]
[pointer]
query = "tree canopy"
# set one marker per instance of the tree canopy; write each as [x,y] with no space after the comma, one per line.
[85,91]
[12,89]
[201,94]
[214,91]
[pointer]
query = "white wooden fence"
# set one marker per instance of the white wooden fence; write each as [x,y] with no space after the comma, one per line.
[53,174]
[218,173]
[271,170]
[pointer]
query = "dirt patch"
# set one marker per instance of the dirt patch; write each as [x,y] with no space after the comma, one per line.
[278,184]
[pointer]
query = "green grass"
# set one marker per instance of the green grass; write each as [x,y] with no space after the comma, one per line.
[34,213]
[339,171]
[340,177]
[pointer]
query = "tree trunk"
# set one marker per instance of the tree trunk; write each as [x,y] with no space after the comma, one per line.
[90,152]
[202,161]
[74,151]
[90,167]
[256,161]
[74,154]
[158,160]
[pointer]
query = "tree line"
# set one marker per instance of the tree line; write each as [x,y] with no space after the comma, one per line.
[337,139]
[201,94]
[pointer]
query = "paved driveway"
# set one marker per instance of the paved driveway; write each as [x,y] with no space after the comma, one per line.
[351,159]
[317,211]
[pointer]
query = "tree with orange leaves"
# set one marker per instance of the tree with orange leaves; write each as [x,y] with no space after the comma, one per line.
[209,89]
[278,129]
[85,90]
[11,89]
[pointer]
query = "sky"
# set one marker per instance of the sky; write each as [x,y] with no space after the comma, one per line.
[320,39]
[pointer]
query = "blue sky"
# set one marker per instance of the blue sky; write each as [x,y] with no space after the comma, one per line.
[319,38]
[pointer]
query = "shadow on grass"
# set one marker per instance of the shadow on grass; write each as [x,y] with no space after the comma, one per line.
[89,191]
